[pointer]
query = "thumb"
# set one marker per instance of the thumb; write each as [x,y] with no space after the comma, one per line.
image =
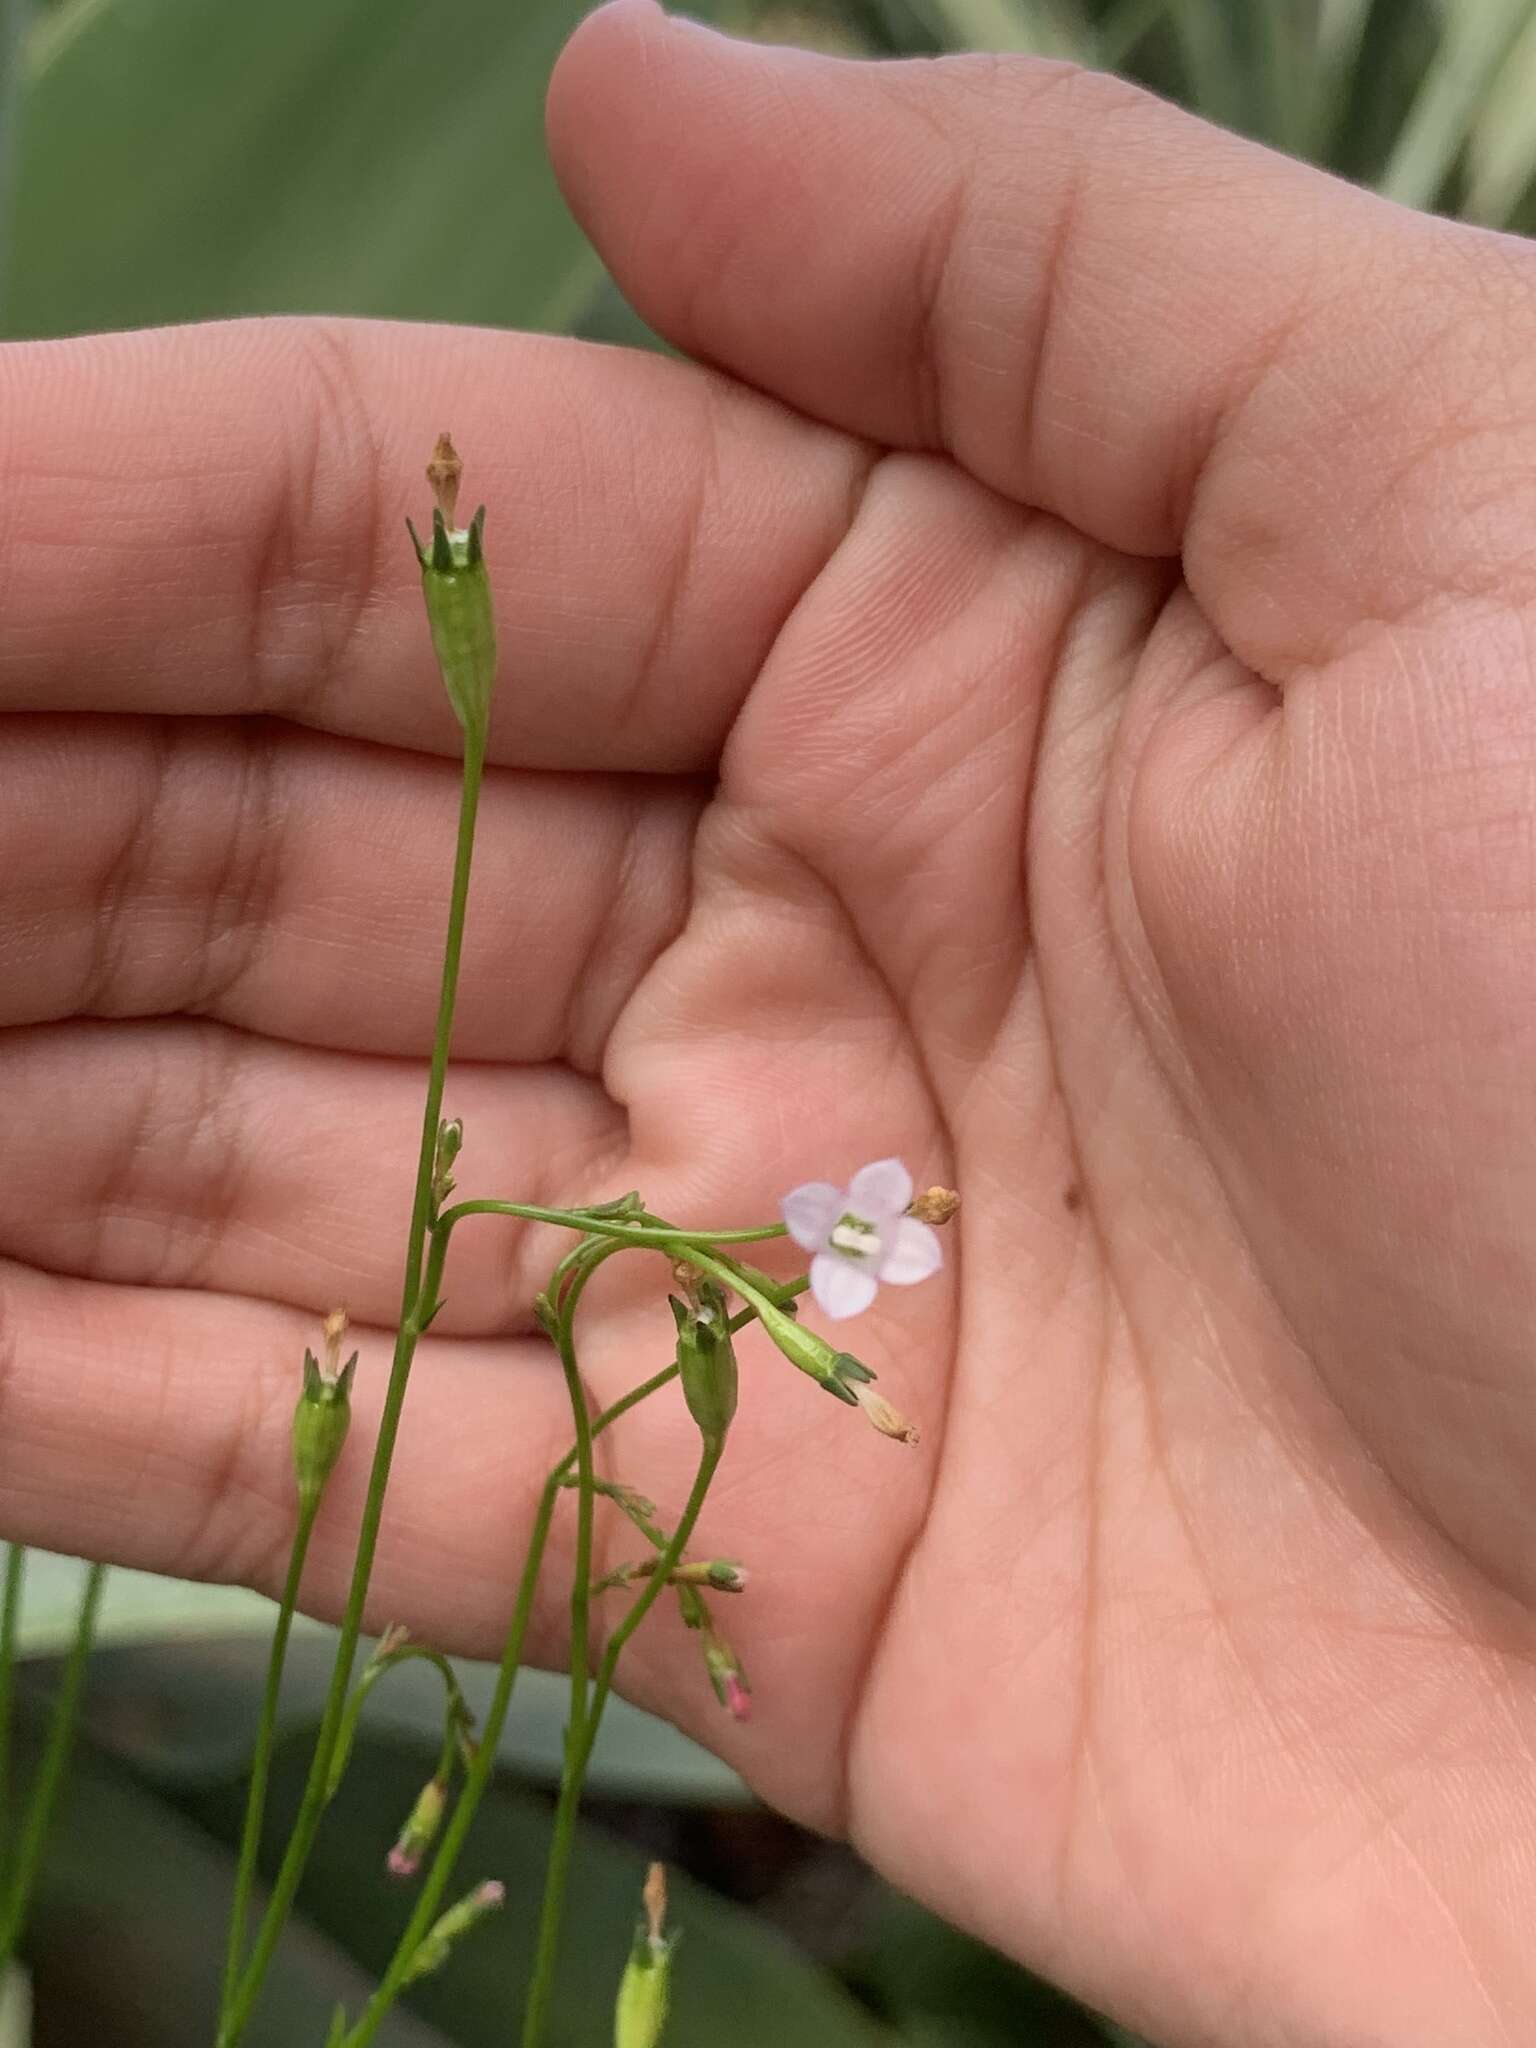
[1100,306]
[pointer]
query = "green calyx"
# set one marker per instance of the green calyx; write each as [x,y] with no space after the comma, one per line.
[320,1423]
[457,590]
[838,1371]
[706,1359]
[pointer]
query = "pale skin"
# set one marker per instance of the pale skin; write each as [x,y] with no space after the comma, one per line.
[1053,702]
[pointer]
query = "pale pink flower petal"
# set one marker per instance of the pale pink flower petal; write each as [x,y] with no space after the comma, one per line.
[841,1287]
[881,1190]
[913,1253]
[810,1211]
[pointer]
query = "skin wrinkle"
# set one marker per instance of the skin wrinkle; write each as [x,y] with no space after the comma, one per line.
[119,880]
[339,467]
[249,876]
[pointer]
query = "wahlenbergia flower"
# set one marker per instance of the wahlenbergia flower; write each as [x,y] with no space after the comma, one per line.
[860,1235]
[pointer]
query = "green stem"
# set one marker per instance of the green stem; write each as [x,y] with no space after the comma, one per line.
[261,1761]
[10,1621]
[586,1504]
[50,1780]
[301,1842]
[658,1237]
[579,1752]
[455,1707]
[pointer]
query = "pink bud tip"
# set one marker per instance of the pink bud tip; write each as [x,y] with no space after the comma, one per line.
[492,1893]
[401,1863]
[737,1698]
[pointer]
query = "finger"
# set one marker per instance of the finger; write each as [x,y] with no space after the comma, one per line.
[152,1429]
[210,520]
[1100,306]
[296,885]
[175,1154]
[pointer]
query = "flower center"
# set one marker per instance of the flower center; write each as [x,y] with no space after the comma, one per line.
[855,1238]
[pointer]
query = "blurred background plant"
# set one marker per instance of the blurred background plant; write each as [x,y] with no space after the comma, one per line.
[165,160]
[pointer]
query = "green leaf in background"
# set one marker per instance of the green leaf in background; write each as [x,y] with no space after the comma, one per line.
[181,161]
[128,1928]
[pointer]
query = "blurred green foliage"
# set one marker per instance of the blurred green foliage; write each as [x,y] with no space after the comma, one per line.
[183,161]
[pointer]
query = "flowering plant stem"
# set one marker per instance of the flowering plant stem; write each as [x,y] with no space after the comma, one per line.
[580,1739]
[479,1775]
[50,1777]
[240,2000]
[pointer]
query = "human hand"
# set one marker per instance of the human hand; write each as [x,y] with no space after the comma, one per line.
[1073,731]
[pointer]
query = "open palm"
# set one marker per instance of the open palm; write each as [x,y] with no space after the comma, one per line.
[1074,732]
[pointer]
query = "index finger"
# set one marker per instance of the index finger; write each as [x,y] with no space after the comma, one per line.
[210,520]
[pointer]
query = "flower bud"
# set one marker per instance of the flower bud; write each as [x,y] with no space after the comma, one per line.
[706,1359]
[450,1141]
[934,1205]
[641,2010]
[433,1948]
[458,595]
[420,1830]
[323,1413]
[727,1676]
[838,1371]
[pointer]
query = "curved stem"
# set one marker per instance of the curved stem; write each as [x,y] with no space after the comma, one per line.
[661,1237]
[579,1752]
[50,1779]
[301,1841]
[261,1760]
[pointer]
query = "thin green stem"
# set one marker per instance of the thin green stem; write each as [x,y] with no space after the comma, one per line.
[50,1777]
[301,1842]
[579,1753]
[261,1761]
[455,1706]
[658,1237]
[10,1622]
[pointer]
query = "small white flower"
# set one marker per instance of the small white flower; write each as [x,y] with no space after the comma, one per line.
[860,1235]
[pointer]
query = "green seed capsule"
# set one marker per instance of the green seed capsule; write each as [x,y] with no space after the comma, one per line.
[460,614]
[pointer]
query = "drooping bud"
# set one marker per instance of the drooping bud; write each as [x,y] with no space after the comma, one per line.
[641,2010]
[323,1413]
[433,1949]
[934,1205]
[838,1371]
[458,594]
[706,1359]
[727,1676]
[420,1830]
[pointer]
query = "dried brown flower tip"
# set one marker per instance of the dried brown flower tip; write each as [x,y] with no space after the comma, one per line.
[935,1205]
[885,1418]
[443,474]
[655,1898]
